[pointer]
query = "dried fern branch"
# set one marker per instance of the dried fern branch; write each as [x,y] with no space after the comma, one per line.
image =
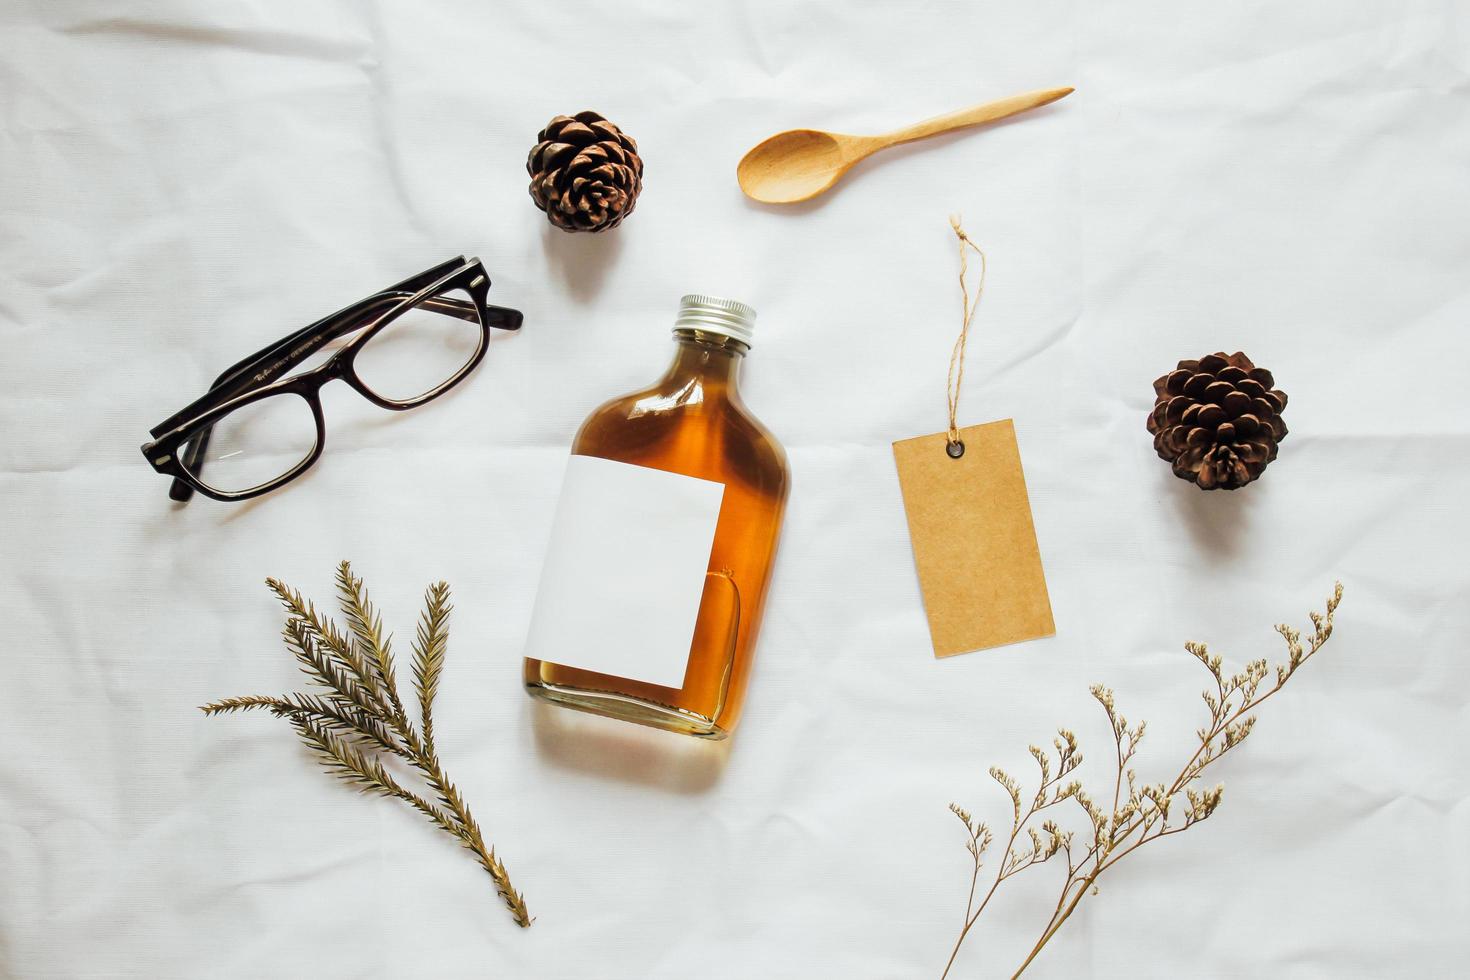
[361,718]
[1139,813]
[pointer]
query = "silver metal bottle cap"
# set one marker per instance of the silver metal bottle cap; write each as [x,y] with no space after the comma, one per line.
[712,314]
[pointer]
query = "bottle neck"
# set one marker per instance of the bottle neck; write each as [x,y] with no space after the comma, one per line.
[712,358]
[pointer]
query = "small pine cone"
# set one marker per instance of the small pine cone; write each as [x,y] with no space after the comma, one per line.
[1218,420]
[585,173]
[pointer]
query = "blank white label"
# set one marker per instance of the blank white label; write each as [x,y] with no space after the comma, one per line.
[625,571]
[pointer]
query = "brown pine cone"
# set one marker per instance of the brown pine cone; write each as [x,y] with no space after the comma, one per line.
[585,173]
[1218,420]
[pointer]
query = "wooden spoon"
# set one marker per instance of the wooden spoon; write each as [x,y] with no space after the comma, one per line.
[799,164]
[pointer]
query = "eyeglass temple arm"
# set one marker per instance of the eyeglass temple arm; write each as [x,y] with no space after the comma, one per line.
[239,378]
[499,317]
[280,357]
[410,285]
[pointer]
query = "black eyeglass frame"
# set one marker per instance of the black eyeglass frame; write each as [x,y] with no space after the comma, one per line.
[187,431]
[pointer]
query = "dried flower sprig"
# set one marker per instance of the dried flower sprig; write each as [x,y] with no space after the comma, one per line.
[361,720]
[1140,812]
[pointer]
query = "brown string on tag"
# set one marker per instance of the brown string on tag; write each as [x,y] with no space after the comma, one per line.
[954,446]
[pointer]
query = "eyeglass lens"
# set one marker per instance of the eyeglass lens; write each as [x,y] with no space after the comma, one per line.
[257,443]
[422,349]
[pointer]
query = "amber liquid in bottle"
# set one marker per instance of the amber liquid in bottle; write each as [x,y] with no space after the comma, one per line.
[692,421]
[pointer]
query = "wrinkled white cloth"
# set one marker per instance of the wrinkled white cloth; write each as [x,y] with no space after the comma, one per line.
[181,183]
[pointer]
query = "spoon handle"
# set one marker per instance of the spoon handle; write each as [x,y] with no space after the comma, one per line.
[975,115]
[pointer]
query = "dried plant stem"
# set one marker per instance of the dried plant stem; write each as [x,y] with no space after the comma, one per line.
[1049,793]
[1140,814]
[363,716]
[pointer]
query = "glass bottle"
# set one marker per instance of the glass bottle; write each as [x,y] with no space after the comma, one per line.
[692,421]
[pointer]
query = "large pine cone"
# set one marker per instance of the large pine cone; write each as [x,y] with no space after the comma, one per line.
[585,173]
[1218,420]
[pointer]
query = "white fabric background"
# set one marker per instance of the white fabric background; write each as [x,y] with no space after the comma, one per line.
[181,183]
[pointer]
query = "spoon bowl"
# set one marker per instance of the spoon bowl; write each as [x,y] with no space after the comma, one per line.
[799,164]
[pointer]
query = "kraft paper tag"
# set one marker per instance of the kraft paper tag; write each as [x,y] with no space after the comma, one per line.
[974,542]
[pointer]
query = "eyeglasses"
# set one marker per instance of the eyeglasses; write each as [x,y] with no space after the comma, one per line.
[419,339]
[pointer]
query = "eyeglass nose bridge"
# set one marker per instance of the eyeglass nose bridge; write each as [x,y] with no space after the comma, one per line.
[336,369]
